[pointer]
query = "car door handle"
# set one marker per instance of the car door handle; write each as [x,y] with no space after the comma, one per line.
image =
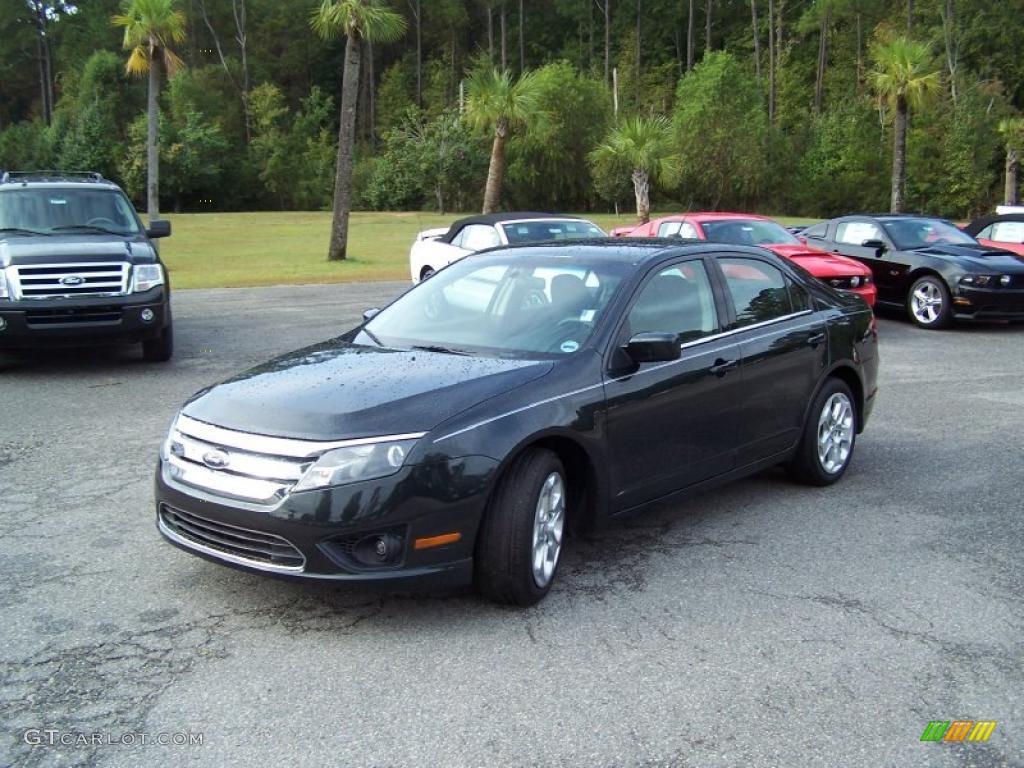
[816,339]
[722,367]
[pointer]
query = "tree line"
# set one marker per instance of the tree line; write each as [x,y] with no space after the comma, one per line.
[814,107]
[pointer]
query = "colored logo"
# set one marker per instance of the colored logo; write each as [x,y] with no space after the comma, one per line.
[216,459]
[958,730]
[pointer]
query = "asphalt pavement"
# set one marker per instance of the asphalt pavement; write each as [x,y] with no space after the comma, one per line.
[761,624]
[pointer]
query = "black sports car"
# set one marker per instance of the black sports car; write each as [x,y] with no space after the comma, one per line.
[458,432]
[929,266]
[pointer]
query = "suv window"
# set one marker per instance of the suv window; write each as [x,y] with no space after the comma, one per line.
[676,300]
[759,291]
[856,232]
[682,229]
[49,209]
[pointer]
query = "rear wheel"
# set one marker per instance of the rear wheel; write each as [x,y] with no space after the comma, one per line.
[160,349]
[830,434]
[521,537]
[928,303]
[426,272]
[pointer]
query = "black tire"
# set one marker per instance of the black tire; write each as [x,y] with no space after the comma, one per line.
[160,349]
[426,273]
[939,315]
[807,466]
[504,551]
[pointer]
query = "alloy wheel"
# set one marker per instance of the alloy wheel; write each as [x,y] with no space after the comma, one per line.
[835,433]
[926,302]
[548,526]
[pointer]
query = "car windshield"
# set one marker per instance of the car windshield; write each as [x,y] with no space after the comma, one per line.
[49,210]
[919,233]
[519,232]
[748,232]
[508,304]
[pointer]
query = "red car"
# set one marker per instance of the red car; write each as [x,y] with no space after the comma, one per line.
[749,229]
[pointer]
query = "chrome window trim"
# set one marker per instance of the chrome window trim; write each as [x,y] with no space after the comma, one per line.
[276,446]
[686,345]
[227,556]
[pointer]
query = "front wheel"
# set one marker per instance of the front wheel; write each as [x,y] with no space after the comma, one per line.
[160,349]
[521,537]
[830,434]
[928,303]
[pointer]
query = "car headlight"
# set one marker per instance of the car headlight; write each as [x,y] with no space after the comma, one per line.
[978,281]
[354,463]
[146,276]
[855,281]
[4,291]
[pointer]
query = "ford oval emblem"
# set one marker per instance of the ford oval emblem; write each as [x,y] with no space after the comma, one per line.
[70,280]
[216,459]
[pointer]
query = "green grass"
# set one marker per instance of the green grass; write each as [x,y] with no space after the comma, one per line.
[229,250]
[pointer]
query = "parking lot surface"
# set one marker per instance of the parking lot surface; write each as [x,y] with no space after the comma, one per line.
[762,624]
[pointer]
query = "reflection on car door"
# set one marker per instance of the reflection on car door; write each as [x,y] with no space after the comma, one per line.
[885,268]
[672,424]
[784,348]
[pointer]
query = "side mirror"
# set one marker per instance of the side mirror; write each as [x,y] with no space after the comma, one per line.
[878,245]
[369,314]
[158,228]
[653,347]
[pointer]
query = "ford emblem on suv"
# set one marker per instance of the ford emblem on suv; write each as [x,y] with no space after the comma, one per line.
[72,280]
[216,459]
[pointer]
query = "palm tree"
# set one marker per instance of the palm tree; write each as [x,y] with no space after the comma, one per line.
[357,20]
[644,144]
[904,78]
[1012,129]
[151,27]
[494,101]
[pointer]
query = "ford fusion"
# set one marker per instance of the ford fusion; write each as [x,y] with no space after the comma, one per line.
[460,433]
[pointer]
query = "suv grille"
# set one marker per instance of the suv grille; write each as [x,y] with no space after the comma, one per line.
[45,281]
[254,547]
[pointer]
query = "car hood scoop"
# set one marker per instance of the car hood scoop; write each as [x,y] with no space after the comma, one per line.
[337,390]
[984,257]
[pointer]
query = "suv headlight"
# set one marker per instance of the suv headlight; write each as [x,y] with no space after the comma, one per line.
[146,276]
[354,463]
[4,293]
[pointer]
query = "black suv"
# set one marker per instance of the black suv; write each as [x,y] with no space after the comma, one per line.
[77,267]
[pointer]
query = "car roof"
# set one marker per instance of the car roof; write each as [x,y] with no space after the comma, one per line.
[630,250]
[979,224]
[499,218]
[23,183]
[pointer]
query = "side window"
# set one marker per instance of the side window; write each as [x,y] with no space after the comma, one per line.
[798,296]
[1006,232]
[669,228]
[819,231]
[476,237]
[759,291]
[676,300]
[986,233]
[688,231]
[856,232]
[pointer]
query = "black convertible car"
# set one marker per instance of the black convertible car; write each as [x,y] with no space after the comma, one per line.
[523,391]
[929,266]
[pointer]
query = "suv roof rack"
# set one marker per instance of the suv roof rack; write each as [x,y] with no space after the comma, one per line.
[10,177]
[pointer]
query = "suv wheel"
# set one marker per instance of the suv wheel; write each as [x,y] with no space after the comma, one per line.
[160,349]
[521,537]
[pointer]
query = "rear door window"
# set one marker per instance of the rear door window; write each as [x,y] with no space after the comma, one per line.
[759,291]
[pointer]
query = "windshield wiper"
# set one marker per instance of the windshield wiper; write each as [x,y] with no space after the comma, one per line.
[23,231]
[89,228]
[373,338]
[438,348]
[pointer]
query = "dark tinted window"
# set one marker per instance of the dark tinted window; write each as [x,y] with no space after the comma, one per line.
[798,296]
[676,300]
[818,230]
[759,291]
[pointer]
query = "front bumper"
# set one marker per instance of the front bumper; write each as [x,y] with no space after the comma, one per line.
[988,303]
[312,534]
[30,324]
[867,292]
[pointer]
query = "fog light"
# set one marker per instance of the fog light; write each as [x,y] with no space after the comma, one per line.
[147,315]
[3,323]
[378,549]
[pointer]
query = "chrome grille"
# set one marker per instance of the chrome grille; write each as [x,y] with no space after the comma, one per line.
[47,281]
[266,550]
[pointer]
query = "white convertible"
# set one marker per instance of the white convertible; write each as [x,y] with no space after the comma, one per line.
[437,248]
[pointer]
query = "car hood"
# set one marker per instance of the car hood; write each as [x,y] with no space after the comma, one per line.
[72,249]
[337,390]
[820,263]
[977,257]
[1017,248]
